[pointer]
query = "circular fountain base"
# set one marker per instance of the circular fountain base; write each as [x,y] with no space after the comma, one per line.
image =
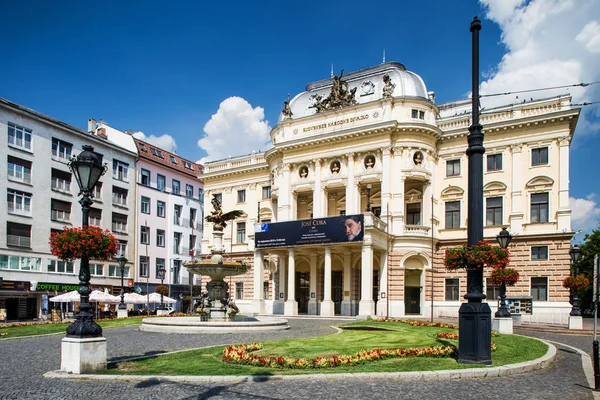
[193,325]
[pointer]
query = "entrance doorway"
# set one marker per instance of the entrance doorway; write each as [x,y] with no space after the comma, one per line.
[337,291]
[12,308]
[303,291]
[412,300]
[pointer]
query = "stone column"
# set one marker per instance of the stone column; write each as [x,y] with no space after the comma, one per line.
[294,206]
[366,306]
[278,305]
[350,186]
[516,212]
[397,206]
[426,205]
[327,307]
[284,195]
[564,208]
[291,305]
[258,303]
[347,301]
[386,182]
[382,303]
[317,191]
[313,303]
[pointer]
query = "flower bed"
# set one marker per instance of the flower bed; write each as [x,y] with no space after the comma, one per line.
[417,323]
[242,355]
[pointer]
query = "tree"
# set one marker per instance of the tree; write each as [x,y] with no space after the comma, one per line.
[589,248]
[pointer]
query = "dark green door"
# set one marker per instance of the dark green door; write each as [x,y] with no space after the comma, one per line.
[412,300]
[302,291]
[337,291]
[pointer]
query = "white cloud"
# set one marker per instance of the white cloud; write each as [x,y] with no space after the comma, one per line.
[236,129]
[164,142]
[585,214]
[548,43]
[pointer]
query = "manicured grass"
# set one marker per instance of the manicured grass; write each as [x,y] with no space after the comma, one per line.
[511,349]
[44,329]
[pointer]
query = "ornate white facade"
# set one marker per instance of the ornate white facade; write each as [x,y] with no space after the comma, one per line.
[392,150]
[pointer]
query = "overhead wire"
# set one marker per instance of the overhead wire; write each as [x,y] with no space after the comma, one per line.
[582,84]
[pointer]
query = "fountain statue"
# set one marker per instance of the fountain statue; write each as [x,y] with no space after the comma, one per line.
[215,302]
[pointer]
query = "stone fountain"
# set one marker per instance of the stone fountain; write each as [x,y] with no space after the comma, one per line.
[217,312]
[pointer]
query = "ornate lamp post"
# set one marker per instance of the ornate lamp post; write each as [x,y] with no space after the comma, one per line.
[575,254]
[87,168]
[369,197]
[475,316]
[504,238]
[161,276]
[122,261]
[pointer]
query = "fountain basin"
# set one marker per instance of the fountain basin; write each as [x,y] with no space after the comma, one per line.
[193,325]
[215,269]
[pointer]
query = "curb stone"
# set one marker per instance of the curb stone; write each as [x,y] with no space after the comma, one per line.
[504,370]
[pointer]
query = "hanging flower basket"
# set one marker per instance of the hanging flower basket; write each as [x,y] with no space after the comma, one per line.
[483,254]
[162,289]
[90,241]
[508,276]
[577,283]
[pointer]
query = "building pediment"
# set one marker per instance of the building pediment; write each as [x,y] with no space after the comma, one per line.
[540,182]
[453,192]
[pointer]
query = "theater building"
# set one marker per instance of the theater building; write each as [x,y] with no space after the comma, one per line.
[373,145]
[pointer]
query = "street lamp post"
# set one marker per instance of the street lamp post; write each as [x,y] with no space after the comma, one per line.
[87,168]
[122,262]
[575,254]
[161,276]
[504,238]
[369,197]
[475,316]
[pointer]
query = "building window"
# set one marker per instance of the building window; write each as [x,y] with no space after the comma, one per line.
[173,160]
[189,191]
[494,162]
[60,266]
[266,291]
[452,167]
[61,181]
[493,211]
[145,235]
[539,289]
[176,186]
[19,170]
[19,136]
[20,263]
[417,114]
[145,205]
[146,177]
[239,290]
[61,150]
[241,232]
[452,289]
[539,253]
[120,170]
[188,165]
[95,216]
[193,212]
[96,269]
[266,192]
[539,207]
[192,244]
[161,182]
[492,292]
[539,156]
[119,223]
[452,214]
[177,215]
[156,152]
[60,210]
[200,194]
[241,196]
[18,235]
[18,202]
[144,266]
[122,248]
[115,271]
[160,208]
[177,243]
[98,191]
[176,272]
[160,238]
[160,264]
[119,197]
[413,214]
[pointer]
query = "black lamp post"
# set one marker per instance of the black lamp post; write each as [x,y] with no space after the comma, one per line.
[575,254]
[369,197]
[504,238]
[87,168]
[122,261]
[475,316]
[161,276]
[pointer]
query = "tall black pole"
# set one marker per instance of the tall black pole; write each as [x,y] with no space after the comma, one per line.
[122,305]
[475,317]
[84,325]
[575,310]
[502,310]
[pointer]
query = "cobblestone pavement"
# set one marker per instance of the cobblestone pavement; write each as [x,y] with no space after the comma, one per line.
[25,360]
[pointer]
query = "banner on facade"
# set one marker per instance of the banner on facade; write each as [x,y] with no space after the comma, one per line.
[340,229]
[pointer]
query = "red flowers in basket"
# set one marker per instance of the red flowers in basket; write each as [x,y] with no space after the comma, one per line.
[578,283]
[508,276]
[90,241]
[483,254]
[162,289]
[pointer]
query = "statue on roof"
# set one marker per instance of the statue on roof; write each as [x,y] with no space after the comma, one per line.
[339,96]
[287,111]
[218,218]
[389,87]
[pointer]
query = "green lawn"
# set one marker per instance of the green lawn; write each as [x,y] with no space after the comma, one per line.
[44,329]
[511,349]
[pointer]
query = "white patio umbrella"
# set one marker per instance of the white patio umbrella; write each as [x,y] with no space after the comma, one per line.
[134,298]
[95,296]
[155,298]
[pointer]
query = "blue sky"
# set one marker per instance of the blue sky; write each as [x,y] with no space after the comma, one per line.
[180,71]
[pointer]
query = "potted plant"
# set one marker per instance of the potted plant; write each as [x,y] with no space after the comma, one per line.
[88,241]
[162,289]
[577,283]
[483,254]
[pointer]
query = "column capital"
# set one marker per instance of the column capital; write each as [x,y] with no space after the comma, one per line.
[350,156]
[317,161]
[563,141]
[386,151]
[516,148]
